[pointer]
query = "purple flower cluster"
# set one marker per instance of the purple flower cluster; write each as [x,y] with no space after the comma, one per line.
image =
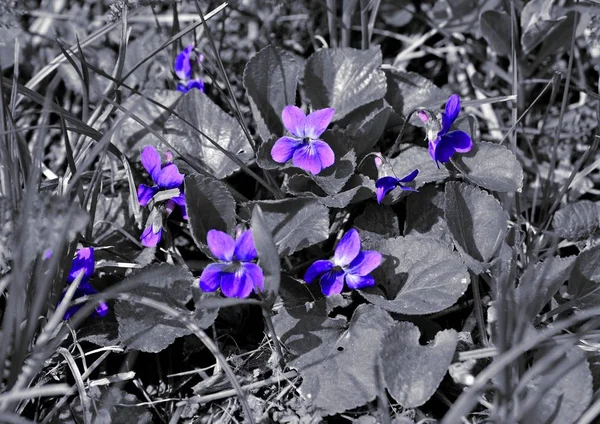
[83,263]
[165,178]
[442,146]
[303,147]
[236,274]
[350,265]
[184,69]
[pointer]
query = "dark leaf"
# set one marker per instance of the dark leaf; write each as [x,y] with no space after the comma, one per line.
[344,79]
[568,396]
[295,293]
[495,27]
[540,282]
[153,73]
[210,206]
[294,223]
[408,90]
[144,328]
[366,124]
[413,372]
[335,359]
[419,275]
[492,167]
[425,214]
[200,111]
[577,220]
[270,80]
[477,223]
[333,179]
[413,157]
[377,222]
[263,155]
[267,252]
[357,189]
[133,137]
[537,20]
[584,282]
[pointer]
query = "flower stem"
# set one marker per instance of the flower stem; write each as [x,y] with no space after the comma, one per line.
[271,328]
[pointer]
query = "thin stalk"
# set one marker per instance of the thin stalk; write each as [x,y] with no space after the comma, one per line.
[364,24]
[271,328]
[478,305]
[332,22]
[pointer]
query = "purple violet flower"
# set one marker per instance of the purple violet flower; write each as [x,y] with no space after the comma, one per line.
[304,147]
[448,142]
[235,274]
[151,236]
[184,70]
[83,263]
[164,177]
[386,184]
[350,264]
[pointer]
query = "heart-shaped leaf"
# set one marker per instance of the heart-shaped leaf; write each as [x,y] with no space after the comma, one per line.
[333,179]
[495,27]
[199,110]
[210,206]
[270,79]
[413,157]
[492,167]
[344,79]
[377,223]
[413,372]
[568,395]
[419,275]
[477,223]
[336,360]
[366,124]
[577,220]
[584,282]
[425,214]
[294,223]
[540,282]
[144,328]
[537,20]
[408,90]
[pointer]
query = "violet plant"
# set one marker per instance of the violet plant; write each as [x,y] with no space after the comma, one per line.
[83,263]
[185,64]
[350,266]
[235,274]
[304,147]
[165,177]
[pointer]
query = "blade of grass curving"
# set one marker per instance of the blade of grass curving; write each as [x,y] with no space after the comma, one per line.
[237,109]
[70,158]
[468,399]
[563,109]
[364,24]
[83,398]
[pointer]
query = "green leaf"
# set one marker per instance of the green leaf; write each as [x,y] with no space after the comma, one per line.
[357,189]
[294,223]
[577,220]
[200,111]
[377,222]
[420,275]
[537,20]
[492,167]
[425,215]
[263,155]
[409,90]
[413,372]
[477,223]
[270,79]
[144,328]
[335,359]
[267,252]
[495,27]
[568,395]
[584,282]
[366,124]
[131,136]
[210,206]
[540,282]
[333,179]
[344,79]
[413,157]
